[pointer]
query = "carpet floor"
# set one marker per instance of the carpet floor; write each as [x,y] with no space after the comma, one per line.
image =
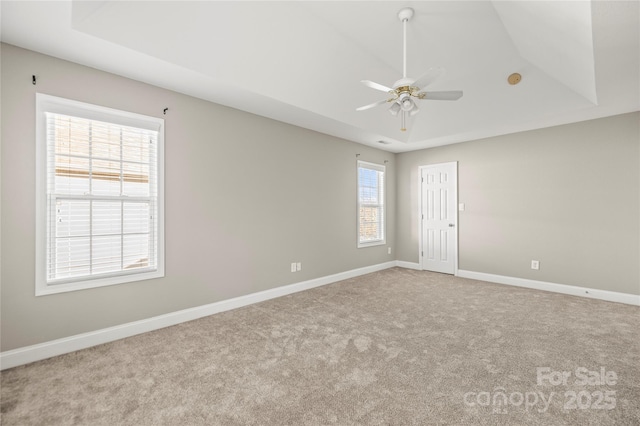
[396,347]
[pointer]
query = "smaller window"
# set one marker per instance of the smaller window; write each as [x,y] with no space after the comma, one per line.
[371,200]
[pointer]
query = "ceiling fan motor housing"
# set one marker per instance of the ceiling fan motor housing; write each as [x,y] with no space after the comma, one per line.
[402,83]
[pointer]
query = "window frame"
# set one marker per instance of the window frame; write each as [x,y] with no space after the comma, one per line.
[52,104]
[382,193]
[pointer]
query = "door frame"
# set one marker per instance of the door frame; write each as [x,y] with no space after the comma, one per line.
[421,214]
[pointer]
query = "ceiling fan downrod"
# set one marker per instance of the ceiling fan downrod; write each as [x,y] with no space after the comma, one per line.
[404,15]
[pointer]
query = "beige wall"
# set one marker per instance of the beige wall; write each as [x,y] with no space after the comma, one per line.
[567,196]
[245,197]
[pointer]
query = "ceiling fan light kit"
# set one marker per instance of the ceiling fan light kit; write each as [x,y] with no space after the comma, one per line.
[406,90]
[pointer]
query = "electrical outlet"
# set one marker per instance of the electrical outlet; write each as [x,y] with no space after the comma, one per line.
[293,267]
[389,250]
[299,266]
[535,265]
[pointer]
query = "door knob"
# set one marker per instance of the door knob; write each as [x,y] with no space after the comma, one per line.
[451,225]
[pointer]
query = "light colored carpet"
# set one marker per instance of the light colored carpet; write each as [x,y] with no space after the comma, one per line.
[397,347]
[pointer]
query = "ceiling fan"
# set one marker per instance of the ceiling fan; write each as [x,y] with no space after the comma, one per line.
[406,91]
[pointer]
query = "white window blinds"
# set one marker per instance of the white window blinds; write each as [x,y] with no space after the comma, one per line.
[102,200]
[371,201]
[101,181]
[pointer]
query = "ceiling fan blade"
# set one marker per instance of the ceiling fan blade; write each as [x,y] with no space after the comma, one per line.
[375,104]
[451,95]
[429,77]
[376,86]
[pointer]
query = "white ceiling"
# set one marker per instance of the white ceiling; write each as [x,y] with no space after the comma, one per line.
[301,62]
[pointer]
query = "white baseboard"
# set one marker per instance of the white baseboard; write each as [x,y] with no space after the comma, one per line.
[27,354]
[610,296]
[408,265]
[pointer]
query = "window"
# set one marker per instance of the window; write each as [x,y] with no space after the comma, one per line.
[371,213]
[99,185]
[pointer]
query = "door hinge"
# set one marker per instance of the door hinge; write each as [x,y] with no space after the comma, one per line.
[422,253]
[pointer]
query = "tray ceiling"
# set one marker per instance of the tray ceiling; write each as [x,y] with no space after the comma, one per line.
[302,62]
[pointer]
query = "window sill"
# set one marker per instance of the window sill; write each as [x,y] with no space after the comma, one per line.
[372,243]
[44,289]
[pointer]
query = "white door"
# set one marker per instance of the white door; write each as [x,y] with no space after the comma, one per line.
[439,198]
